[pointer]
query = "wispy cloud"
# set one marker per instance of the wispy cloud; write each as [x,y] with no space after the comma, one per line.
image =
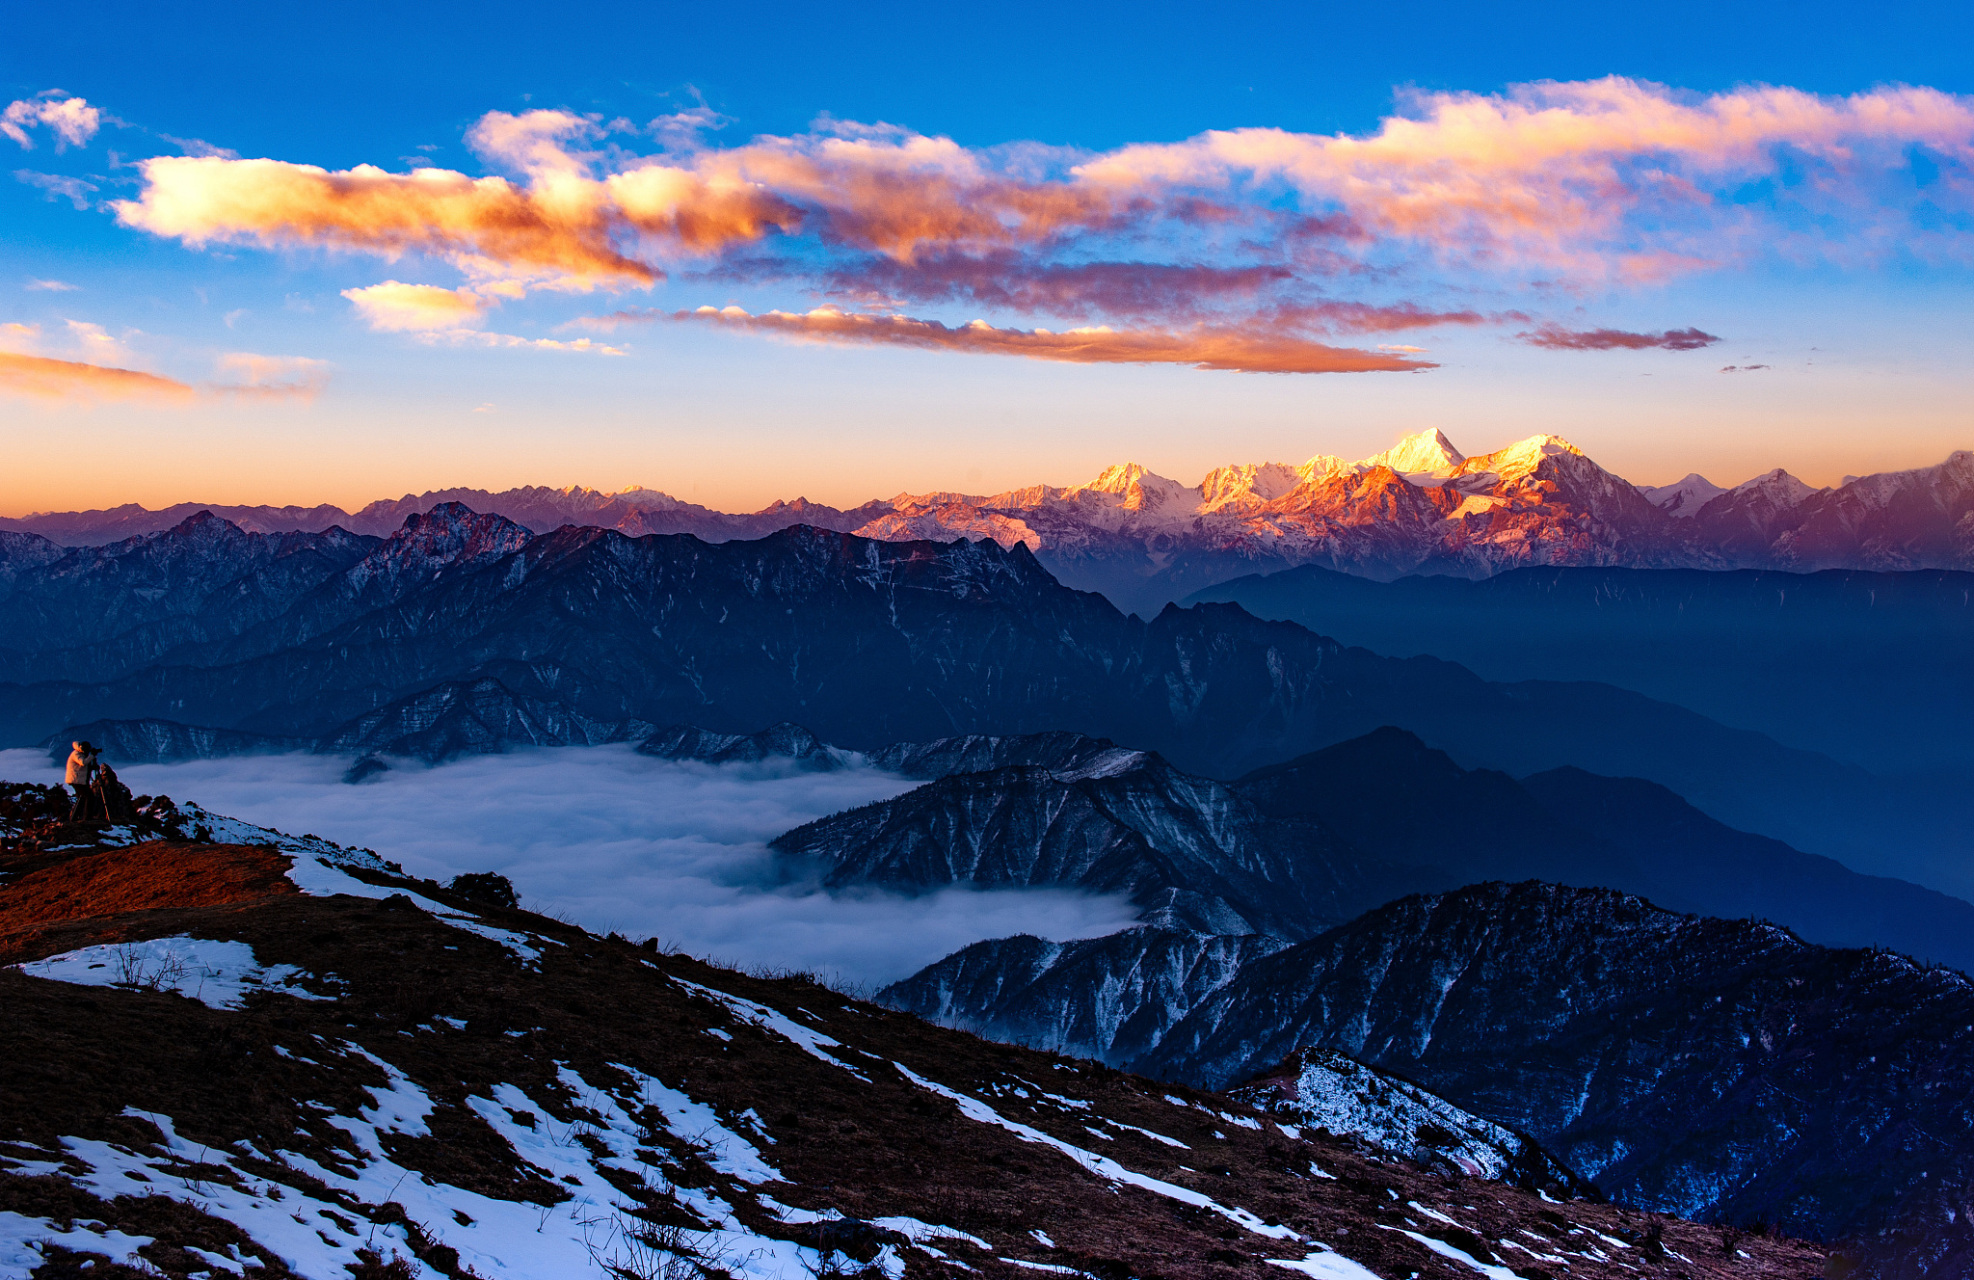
[1557,338]
[1248,352]
[398,307]
[248,375]
[49,286]
[72,120]
[75,190]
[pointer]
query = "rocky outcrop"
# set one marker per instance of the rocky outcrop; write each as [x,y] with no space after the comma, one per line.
[784,743]
[1186,851]
[1719,1068]
[1725,1068]
[1337,1094]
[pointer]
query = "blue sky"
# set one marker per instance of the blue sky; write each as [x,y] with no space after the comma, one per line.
[1864,336]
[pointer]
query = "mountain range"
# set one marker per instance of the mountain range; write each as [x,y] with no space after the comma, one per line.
[462,631]
[1144,540]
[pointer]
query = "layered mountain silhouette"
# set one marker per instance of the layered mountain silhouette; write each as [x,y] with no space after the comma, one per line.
[1144,540]
[1867,667]
[464,632]
[1185,850]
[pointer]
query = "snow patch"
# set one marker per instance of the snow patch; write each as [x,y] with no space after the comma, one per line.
[220,975]
[22,1241]
[1326,1265]
[1102,1166]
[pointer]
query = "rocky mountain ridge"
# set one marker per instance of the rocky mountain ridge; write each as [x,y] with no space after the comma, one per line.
[1298,847]
[1719,1068]
[1142,539]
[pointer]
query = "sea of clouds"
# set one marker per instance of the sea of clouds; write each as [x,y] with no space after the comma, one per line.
[613,840]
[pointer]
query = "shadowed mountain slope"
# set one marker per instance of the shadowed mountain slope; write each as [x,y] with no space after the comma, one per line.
[1705,1066]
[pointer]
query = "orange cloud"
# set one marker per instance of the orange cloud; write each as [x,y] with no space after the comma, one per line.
[398,307]
[259,377]
[1201,348]
[1232,237]
[487,226]
[71,380]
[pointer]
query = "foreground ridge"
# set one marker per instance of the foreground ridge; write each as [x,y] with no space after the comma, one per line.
[318,1067]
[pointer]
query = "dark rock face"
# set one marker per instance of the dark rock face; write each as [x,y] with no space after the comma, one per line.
[163,742]
[1113,999]
[1187,851]
[1058,750]
[470,718]
[97,613]
[23,552]
[790,742]
[1723,1068]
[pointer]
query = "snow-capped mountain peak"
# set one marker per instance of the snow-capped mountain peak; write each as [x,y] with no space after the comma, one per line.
[649,499]
[1426,452]
[1520,458]
[1247,486]
[1139,490]
[1777,486]
[1683,498]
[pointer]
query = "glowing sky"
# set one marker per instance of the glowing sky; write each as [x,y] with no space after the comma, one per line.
[268,256]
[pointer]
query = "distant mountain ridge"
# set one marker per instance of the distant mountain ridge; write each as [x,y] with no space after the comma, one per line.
[1869,667]
[1143,539]
[462,631]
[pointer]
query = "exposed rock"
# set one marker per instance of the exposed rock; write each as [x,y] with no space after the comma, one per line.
[790,742]
[1337,1094]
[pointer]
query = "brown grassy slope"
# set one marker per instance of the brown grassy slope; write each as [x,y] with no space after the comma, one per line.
[47,890]
[72,1059]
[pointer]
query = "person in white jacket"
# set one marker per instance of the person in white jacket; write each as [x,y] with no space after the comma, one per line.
[81,777]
